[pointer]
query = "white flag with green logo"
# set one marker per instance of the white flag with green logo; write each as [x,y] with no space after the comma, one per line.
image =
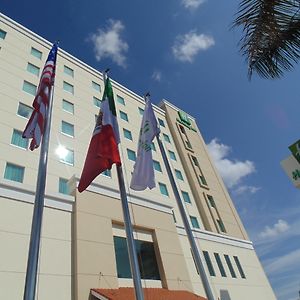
[143,173]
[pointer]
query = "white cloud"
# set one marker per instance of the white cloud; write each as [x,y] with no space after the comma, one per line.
[192,4]
[187,46]
[156,75]
[280,227]
[284,263]
[232,171]
[109,44]
[243,189]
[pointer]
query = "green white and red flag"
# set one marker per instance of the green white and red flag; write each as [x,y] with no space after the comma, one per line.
[103,150]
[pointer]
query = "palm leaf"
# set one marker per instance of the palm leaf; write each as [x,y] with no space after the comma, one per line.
[271,35]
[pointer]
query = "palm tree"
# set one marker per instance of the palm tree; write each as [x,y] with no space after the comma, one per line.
[271,35]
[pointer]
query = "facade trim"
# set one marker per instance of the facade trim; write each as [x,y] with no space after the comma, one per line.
[23,193]
[218,238]
[114,193]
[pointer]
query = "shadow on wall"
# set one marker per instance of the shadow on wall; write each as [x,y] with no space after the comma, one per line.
[224,295]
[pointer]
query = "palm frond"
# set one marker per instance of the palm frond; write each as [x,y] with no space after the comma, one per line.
[271,35]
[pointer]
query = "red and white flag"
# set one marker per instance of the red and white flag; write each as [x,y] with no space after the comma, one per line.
[36,124]
[103,150]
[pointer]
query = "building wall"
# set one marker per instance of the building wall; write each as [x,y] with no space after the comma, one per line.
[255,285]
[215,186]
[95,215]
[55,267]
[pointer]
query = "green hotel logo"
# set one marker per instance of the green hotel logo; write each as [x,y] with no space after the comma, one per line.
[184,118]
[295,149]
[296,174]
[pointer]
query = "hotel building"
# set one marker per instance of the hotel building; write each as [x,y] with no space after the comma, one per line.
[83,247]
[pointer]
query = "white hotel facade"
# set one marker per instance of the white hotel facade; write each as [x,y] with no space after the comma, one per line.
[83,237]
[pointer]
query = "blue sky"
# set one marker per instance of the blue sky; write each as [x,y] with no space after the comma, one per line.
[185,52]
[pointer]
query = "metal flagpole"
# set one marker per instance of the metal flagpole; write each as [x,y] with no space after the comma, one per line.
[135,271]
[193,245]
[36,226]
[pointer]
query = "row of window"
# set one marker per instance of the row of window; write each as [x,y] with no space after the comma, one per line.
[221,267]
[148,263]
[68,87]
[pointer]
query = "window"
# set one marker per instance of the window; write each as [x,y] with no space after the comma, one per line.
[2,34]
[24,110]
[68,71]
[29,88]
[184,136]
[161,122]
[221,225]
[68,106]
[209,264]
[141,111]
[123,116]
[67,128]
[146,259]
[172,155]
[96,86]
[239,266]
[202,180]
[33,69]
[166,138]
[163,189]
[131,155]
[220,265]
[211,201]
[107,173]
[230,266]
[157,166]
[178,174]
[36,53]
[14,172]
[186,197]
[69,158]
[68,87]
[120,100]
[195,161]
[153,146]
[181,129]
[17,139]
[97,102]
[127,134]
[63,186]
[194,222]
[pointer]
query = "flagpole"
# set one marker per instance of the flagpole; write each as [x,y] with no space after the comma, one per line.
[36,226]
[139,295]
[198,262]
[135,271]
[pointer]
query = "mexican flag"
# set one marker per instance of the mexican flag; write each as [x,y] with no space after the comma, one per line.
[143,173]
[103,151]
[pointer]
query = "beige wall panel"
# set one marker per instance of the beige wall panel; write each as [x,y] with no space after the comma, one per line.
[179,284]
[57,224]
[14,249]
[12,285]
[55,257]
[10,212]
[95,258]
[92,203]
[94,228]
[54,287]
